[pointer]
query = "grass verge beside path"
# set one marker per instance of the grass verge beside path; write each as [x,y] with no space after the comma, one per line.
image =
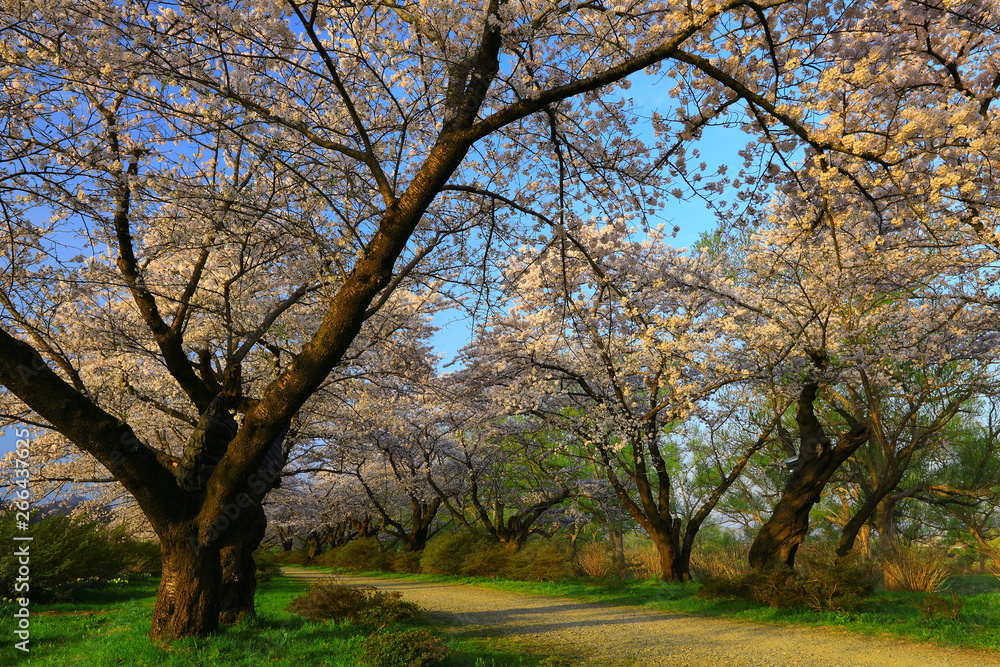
[111,627]
[977,625]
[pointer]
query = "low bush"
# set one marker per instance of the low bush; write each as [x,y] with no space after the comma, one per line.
[296,557]
[364,553]
[595,560]
[914,569]
[328,600]
[405,561]
[842,586]
[644,561]
[486,559]
[445,553]
[933,607]
[69,555]
[718,562]
[268,565]
[409,648]
[539,561]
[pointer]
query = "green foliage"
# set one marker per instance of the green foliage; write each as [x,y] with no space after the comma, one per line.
[364,553]
[297,557]
[328,600]
[68,555]
[445,553]
[407,562]
[486,559]
[268,565]
[408,648]
[544,560]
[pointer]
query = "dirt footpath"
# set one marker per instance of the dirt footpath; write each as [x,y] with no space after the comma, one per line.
[602,635]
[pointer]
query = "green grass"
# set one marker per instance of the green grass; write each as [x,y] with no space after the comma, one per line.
[110,627]
[885,614]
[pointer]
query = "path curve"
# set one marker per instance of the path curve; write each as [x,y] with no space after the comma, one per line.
[607,635]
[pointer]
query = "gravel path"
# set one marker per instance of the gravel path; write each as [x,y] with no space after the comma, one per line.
[603,635]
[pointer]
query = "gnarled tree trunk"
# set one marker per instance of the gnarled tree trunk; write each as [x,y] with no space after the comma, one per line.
[779,538]
[239,571]
[188,602]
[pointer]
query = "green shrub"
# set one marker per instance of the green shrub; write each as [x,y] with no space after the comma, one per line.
[268,565]
[486,559]
[445,553]
[409,648]
[328,600]
[329,558]
[364,553]
[406,561]
[540,561]
[68,555]
[297,557]
[141,559]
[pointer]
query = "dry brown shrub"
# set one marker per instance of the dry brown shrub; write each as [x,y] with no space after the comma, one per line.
[595,560]
[643,560]
[914,569]
[718,562]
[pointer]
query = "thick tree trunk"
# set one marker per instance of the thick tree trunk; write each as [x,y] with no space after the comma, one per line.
[885,519]
[239,571]
[187,603]
[779,538]
[668,546]
[423,514]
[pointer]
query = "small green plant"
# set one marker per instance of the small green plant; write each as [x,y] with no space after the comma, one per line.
[268,566]
[328,600]
[408,648]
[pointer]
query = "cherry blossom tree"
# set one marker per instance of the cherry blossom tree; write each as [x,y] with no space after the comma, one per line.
[611,339]
[853,331]
[319,155]
[172,136]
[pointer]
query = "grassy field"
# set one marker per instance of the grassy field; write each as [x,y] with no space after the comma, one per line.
[977,625]
[110,627]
